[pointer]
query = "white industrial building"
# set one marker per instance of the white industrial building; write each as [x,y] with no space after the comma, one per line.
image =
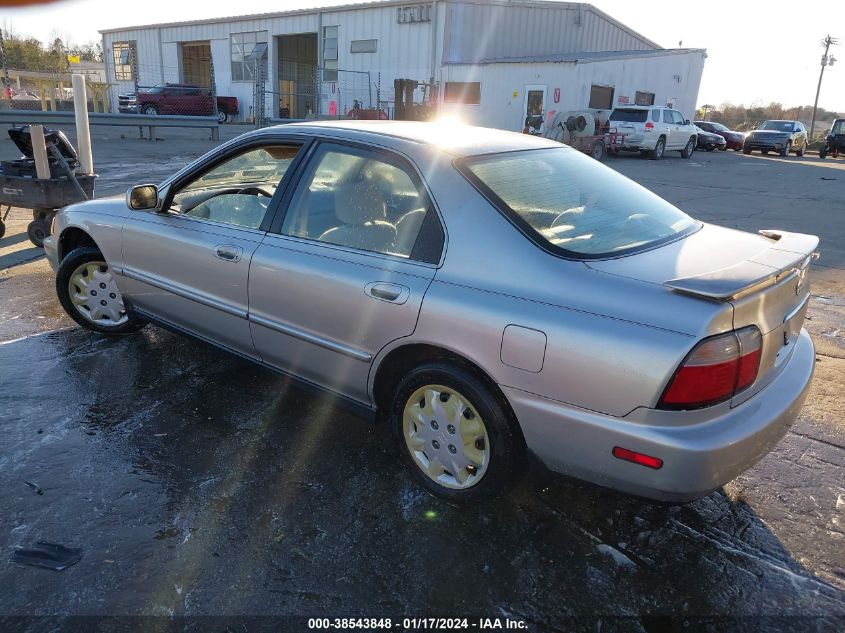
[490,62]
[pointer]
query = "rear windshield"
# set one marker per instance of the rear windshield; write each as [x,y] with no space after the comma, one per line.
[572,204]
[630,115]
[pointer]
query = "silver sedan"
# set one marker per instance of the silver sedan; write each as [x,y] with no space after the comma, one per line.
[491,296]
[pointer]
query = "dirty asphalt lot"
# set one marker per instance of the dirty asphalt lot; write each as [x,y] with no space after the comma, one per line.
[199,485]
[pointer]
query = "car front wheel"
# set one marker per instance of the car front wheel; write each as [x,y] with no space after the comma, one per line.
[88,293]
[689,148]
[786,149]
[150,110]
[455,433]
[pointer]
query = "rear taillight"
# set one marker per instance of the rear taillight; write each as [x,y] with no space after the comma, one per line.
[649,125]
[716,369]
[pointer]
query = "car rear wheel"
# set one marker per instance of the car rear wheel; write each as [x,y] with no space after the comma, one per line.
[88,293]
[659,149]
[689,148]
[455,433]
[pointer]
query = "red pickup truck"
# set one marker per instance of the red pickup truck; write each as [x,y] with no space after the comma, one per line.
[177,99]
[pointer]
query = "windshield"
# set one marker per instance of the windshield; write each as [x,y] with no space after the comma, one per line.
[779,126]
[718,127]
[568,201]
[838,127]
[629,114]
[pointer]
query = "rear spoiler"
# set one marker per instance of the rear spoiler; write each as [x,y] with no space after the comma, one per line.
[789,255]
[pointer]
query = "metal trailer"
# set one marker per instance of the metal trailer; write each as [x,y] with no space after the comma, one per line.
[20,187]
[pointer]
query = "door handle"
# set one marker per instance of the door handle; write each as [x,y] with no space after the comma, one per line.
[385,291]
[228,253]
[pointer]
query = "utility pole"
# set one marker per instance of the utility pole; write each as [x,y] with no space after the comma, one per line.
[827,60]
[7,93]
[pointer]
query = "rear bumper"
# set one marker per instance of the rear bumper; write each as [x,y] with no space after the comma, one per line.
[698,457]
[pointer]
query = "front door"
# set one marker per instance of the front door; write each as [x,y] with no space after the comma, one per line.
[535,110]
[345,271]
[189,265]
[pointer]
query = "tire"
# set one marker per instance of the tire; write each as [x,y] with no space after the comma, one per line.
[746,150]
[222,117]
[37,230]
[689,148]
[659,149]
[493,460]
[785,151]
[150,110]
[79,266]
[723,148]
[2,229]
[599,151]
[823,152]
[710,148]
[764,151]
[801,150]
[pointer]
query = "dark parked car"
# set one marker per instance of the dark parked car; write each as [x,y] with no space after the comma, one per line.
[733,140]
[709,141]
[777,136]
[183,99]
[835,141]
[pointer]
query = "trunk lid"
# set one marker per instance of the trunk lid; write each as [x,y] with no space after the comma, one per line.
[764,277]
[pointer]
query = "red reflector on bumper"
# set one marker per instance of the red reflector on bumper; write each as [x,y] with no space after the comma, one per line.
[637,458]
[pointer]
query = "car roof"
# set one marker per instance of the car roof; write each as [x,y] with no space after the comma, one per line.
[447,136]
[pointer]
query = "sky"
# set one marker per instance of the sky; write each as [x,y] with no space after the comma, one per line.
[742,66]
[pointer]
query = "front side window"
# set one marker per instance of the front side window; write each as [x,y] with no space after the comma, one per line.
[568,203]
[678,117]
[354,198]
[243,46]
[123,54]
[237,191]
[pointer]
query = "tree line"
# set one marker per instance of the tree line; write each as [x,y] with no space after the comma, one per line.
[28,53]
[741,118]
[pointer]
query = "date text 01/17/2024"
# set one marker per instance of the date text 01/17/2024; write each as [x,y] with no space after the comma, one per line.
[417,624]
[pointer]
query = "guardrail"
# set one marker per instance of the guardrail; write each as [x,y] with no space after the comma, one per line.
[25,117]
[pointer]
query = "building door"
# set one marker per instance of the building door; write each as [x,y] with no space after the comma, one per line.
[297,75]
[535,110]
[196,63]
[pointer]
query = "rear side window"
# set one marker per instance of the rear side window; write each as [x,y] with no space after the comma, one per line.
[630,115]
[573,205]
[655,116]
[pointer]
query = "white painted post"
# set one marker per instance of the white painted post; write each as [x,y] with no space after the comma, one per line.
[83,132]
[39,152]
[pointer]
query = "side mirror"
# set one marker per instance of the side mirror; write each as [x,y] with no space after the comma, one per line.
[686,121]
[142,197]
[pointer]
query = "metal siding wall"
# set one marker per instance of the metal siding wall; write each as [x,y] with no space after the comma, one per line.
[492,31]
[500,109]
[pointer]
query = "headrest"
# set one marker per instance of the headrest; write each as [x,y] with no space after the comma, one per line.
[359,203]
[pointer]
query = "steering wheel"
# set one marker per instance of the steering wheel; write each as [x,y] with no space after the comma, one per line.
[255,191]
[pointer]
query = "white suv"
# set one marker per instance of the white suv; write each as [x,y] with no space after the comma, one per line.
[653,130]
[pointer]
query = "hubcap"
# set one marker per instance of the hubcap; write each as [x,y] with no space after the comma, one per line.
[446,437]
[95,296]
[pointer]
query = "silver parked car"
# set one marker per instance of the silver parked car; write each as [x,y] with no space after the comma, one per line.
[491,295]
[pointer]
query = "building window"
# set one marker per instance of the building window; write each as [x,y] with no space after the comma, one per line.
[329,53]
[410,15]
[644,98]
[243,44]
[364,46]
[124,53]
[601,97]
[466,92]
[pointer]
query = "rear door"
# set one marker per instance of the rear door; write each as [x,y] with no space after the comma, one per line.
[189,265]
[344,271]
